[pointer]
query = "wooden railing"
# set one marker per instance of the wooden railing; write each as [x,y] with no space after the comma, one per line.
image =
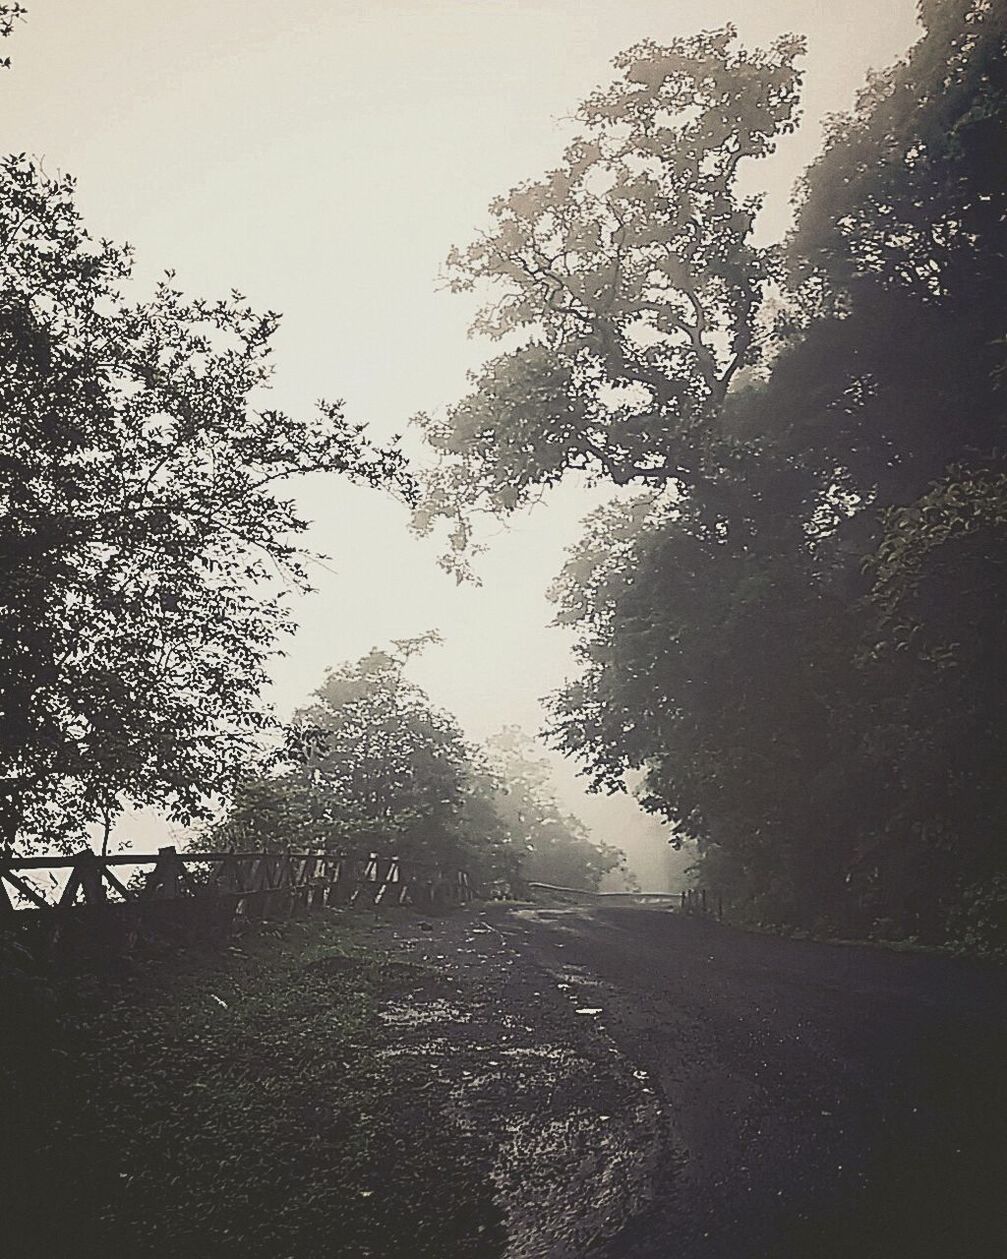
[691,901]
[201,893]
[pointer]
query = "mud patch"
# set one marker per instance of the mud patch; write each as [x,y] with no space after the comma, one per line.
[608,1161]
[568,1131]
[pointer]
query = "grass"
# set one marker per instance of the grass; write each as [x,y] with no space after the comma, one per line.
[232,1103]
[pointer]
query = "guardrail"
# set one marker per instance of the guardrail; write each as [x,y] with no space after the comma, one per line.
[198,894]
[691,901]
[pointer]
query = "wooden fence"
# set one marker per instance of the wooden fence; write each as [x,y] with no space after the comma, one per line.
[691,901]
[196,895]
[696,901]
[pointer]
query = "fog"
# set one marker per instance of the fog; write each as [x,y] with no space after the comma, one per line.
[322,157]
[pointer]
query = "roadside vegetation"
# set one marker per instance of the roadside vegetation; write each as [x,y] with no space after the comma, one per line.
[233,1103]
[148,549]
[372,765]
[147,544]
[793,630]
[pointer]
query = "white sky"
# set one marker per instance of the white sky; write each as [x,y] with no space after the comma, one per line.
[322,156]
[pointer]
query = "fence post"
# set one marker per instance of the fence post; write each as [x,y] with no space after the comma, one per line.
[165,879]
[90,879]
[86,877]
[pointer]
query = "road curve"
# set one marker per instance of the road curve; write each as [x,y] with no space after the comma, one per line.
[820,1101]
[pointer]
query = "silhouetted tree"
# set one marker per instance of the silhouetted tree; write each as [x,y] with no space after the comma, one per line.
[631,278]
[794,633]
[146,546]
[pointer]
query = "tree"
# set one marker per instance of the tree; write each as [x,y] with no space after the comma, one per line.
[909,188]
[550,846]
[710,664]
[801,653]
[387,768]
[373,766]
[900,234]
[897,270]
[369,766]
[630,277]
[146,547]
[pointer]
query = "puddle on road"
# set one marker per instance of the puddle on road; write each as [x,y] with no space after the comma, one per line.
[543,1065]
[568,1168]
[575,1133]
[407,1014]
[578,976]
[548,1053]
[436,1047]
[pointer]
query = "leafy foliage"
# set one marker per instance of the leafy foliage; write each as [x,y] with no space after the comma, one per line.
[373,766]
[370,765]
[794,633]
[630,275]
[145,546]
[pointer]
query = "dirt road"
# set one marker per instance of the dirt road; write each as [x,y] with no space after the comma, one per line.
[646,1085]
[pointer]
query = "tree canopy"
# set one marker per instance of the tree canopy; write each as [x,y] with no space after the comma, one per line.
[146,543]
[373,766]
[387,769]
[793,630]
[630,277]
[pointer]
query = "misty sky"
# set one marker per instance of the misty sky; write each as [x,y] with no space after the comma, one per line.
[322,157]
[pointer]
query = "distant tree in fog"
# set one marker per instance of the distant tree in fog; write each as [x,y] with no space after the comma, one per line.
[551,846]
[372,765]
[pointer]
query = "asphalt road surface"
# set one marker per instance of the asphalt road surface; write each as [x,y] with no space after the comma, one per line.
[719,1094]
